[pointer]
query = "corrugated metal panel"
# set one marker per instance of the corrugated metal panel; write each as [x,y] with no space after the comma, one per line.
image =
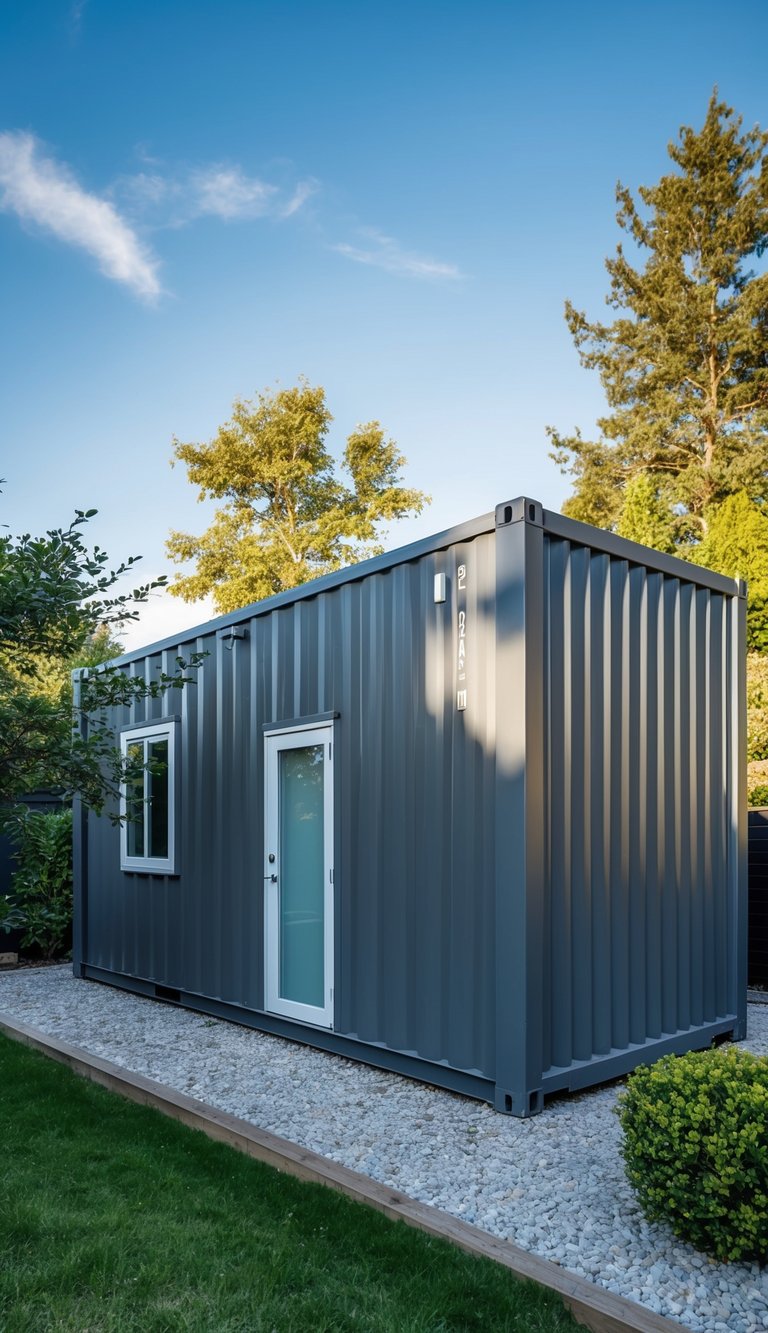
[543,888]
[638,709]
[415,886]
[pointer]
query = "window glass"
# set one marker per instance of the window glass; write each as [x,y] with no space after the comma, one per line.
[148,839]
[135,800]
[158,798]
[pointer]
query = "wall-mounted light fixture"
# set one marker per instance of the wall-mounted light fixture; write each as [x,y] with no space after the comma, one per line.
[231,633]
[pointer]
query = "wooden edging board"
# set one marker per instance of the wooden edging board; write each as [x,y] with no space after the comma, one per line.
[600,1310]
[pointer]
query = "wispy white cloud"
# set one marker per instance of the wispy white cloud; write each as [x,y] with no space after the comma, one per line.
[220,190]
[76,12]
[145,188]
[384,252]
[226,192]
[38,189]
[304,191]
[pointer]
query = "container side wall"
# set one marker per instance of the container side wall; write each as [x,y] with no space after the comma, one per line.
[641,755]
[414,785]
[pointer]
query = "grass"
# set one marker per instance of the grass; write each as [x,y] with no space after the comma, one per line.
[114,1218]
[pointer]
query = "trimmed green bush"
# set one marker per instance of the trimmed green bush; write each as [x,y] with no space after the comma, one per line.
[696,1148]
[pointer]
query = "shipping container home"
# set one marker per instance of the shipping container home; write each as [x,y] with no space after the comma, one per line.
[473,811]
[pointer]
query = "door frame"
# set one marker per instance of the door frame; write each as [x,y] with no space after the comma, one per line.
[295,736]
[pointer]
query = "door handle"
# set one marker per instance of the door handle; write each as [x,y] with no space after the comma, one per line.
[273,878]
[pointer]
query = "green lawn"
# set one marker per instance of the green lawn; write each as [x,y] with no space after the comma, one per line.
[113,1217]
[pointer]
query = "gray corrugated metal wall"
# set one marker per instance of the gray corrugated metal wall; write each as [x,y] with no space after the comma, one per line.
[620,806]
[414,812]
[638,745]
[542,889]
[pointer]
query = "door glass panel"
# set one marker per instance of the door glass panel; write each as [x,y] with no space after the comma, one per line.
[302,874]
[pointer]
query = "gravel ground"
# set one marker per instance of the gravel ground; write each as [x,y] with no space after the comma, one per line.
[553,1184]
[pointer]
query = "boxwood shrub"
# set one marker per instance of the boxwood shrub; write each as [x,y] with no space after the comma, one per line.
[696,1148]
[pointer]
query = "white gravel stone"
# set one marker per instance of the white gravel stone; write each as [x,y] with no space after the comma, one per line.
[554,1184]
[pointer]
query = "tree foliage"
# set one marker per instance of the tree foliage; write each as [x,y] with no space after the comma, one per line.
[684,365]
[99,645]
[644,517]
[757,728]
[51,676]
[57,604]
[288,514]
[53,594]
[736,544]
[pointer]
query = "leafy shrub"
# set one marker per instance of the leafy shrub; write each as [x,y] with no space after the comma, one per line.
[758,795]
[757,729]
[696,1148]
[40,901]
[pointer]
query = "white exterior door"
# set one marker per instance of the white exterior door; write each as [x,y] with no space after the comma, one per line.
[298,873]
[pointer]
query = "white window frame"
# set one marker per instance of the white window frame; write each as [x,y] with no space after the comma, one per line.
[162,865]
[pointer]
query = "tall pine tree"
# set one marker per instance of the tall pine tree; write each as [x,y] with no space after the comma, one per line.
[684,366]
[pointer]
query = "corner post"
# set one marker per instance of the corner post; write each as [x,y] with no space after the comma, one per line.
[737,841]
[520,810]
[79,842]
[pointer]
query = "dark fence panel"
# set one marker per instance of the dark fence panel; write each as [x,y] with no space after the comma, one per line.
[757,965]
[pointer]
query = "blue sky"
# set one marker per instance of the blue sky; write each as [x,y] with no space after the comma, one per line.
[200,200]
